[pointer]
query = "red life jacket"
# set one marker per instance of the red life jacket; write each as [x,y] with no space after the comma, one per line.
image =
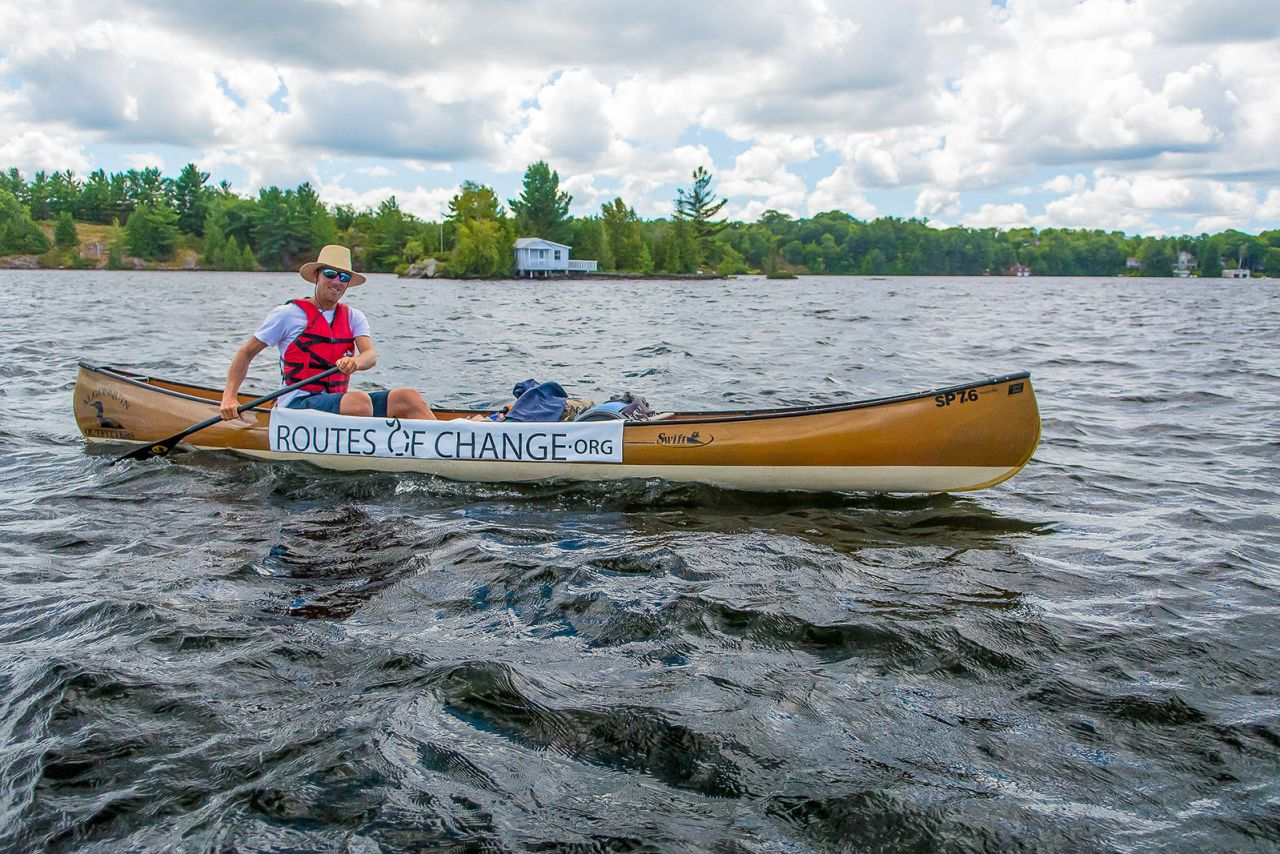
[318,347]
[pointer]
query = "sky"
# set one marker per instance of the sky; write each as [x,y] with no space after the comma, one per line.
[1146,117]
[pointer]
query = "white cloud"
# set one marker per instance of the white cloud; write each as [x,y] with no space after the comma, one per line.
[1066,183]
[568,123]
[933,201]
[997,216]
[1133,203]
[949,27]
[840,191]
[422,202]
[760,180]
[144,160]
[1134,114]
[33,149]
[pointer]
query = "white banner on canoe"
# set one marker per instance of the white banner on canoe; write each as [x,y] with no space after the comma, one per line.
[306,431]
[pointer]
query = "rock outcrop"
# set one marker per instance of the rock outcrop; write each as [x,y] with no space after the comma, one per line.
[424,269]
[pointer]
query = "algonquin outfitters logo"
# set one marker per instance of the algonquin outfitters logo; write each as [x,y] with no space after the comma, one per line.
[107,404]
[310,432]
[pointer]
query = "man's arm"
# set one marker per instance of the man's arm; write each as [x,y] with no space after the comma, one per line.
[366,356]
[236,374]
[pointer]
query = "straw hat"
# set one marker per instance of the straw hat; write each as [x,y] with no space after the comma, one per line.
[333,256]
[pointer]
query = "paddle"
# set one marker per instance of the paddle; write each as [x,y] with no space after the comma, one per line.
[164,446]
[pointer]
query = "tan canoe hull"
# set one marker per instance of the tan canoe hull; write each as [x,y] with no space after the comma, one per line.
[945,440]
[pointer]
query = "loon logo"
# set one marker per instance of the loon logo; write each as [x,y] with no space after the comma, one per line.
[106,426]
[103,421]
[693,439]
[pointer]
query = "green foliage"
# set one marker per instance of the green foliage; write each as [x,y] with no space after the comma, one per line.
[1271,261]
[287,227]
[731,262]
[19,235]
[483,250]
[189,198]
[37,196]
[386,234]
[152,232]
[484,239]
[63,192]
[624,237]
[542,210]
[588,241]
[344,216]
[116,240]
[678,251]
[64,233]
[94,203]
[1157,258]
[698,206]
[215,237]
[474,202]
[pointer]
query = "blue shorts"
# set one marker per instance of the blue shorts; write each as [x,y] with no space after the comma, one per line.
[329,402]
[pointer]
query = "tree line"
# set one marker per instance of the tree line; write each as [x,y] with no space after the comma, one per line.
[152,217]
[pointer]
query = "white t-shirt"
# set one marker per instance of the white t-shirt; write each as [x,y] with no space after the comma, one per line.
[286,322]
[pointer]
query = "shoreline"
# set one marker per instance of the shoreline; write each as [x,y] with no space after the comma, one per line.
[7,265]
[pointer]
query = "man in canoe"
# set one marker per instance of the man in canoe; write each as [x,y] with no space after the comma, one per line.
[314,334]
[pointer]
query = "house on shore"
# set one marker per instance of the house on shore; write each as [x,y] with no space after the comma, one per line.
[1185,265]
[1236,273]
[1019,270]
[536,256]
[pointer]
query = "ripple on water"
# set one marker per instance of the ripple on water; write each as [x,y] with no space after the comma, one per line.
[214,652]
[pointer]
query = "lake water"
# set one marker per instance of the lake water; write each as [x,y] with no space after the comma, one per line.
[205,652]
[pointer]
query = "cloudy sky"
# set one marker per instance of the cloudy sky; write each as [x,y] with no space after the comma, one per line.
[1150,117]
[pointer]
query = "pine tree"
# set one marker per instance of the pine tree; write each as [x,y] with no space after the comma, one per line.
[95,198]
[698,207]
[116,240]
[542,210]
[153,231]
[37,200]
[188,194]
[64,233]
[215,238]
[18,232]
[681,249]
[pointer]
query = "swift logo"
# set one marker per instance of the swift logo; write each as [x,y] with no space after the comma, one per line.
[694,439]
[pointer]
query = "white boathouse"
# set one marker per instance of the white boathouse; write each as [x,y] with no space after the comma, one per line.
[536,256]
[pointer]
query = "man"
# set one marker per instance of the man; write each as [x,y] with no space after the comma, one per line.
[314,334]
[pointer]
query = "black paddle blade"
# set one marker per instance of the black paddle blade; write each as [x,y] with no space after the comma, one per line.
[164,446]
[146,452]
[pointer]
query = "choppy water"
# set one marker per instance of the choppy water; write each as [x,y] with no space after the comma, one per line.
[210,653]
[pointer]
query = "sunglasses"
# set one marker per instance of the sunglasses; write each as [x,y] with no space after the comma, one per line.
[334,274]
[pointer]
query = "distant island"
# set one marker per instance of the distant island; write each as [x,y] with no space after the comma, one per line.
[140,219]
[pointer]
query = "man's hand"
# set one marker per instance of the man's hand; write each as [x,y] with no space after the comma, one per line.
[348,365]
[229,407]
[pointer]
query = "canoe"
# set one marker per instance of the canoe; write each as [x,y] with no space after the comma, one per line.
[951,439]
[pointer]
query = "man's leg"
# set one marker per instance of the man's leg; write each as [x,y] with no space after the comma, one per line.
[356,403]
[407,403]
